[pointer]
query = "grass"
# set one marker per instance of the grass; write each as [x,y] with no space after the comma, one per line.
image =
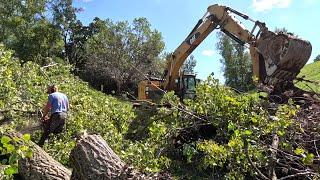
[310,72]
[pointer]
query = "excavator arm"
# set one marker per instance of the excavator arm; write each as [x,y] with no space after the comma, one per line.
[216,17]
[276,58]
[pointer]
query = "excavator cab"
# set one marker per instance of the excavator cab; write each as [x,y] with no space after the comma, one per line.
[186,86]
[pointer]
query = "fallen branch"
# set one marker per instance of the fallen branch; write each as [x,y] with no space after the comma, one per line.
[47,66]
[297,175]
[251,163]
[273,157]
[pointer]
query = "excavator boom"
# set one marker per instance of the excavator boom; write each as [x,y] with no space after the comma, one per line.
[276,57]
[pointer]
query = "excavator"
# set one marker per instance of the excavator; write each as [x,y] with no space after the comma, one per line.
[277,58]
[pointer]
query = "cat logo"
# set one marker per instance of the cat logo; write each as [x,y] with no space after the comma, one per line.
[193,38]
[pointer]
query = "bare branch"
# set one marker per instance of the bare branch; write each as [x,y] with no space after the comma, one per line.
[47,66]
[273,157]
[314,142]
[251,163]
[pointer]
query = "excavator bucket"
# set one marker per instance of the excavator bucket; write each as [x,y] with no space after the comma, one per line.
[283,55]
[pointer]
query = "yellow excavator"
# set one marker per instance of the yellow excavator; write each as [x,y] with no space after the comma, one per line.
[276,57]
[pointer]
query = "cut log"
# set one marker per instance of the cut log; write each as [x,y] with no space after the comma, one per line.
[41,166]
[92,158]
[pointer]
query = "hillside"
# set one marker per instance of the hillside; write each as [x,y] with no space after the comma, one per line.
[22,96]
[219,135]
[310,72]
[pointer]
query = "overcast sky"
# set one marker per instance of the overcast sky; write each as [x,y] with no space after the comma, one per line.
[176,18]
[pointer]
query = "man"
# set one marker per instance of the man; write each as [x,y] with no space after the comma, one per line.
[58,105]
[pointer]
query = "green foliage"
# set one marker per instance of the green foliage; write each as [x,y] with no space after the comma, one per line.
[12,148]
[235,117]
[216,155]
[27,31]
[237,65]
[22,94]
[104,53]
[145,155]
[118,54]
[238,119]
[63,16]
[189,65]
[213,136]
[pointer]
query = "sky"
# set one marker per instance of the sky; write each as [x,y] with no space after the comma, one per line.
[176,18]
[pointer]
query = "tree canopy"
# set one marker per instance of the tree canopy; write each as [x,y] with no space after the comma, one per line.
[189,65]
[113,54]
[26,30]
[237,65]
[122,52]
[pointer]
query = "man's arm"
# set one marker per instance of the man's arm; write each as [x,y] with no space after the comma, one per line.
[46,109]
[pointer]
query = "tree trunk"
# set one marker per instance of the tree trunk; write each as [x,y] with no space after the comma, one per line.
[41,166]
[92,158]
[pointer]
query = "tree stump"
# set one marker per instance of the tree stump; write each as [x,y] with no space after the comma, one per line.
[92,158]
[41,166]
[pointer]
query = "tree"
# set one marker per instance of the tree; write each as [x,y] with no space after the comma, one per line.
[278,30]
[119,54]
[78,35]
[75,47]
[26,30]
[189,65]
[317,58]
[285,31]
[64,19]
[237,65]
[39,30]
